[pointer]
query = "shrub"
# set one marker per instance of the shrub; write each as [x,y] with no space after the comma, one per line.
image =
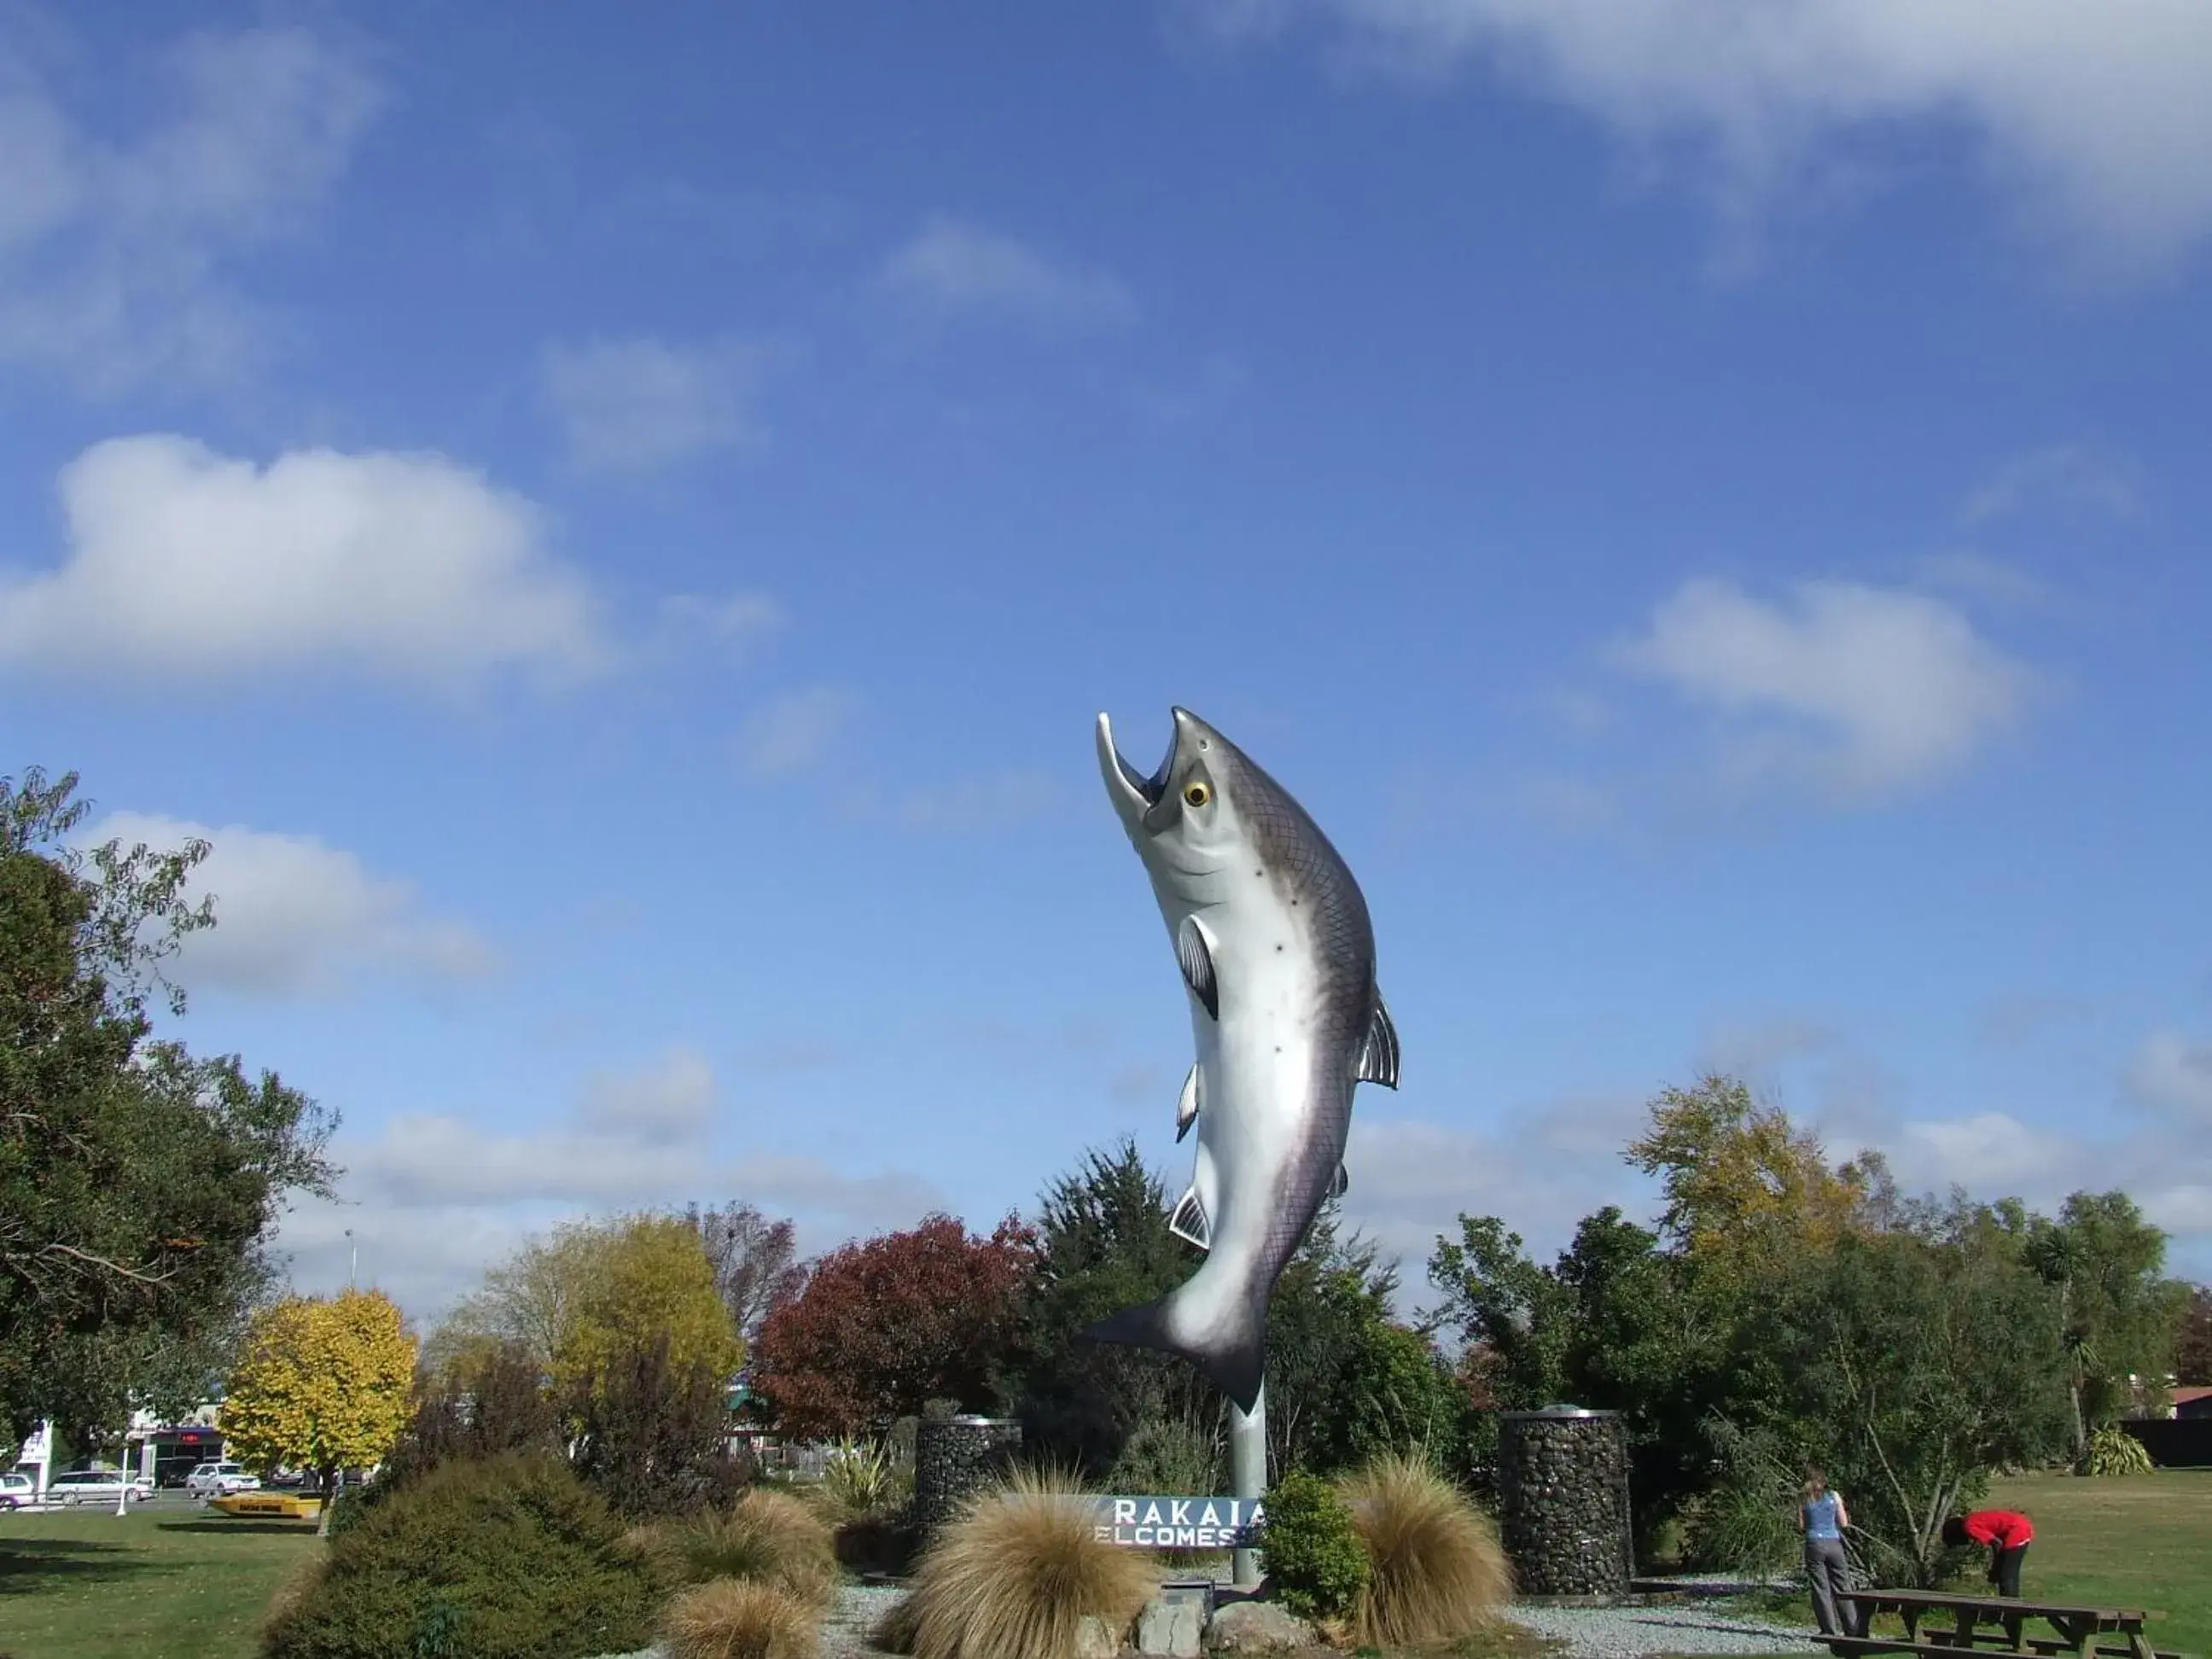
[1177,1452]
[1172,1451]
[766,1537]
[654,1436]
[863,1479]
[1017,1573]
[740,1619]
[2114,1451]
[1434,1570]
[1747,1523]
[506,1557]
[1316,1565]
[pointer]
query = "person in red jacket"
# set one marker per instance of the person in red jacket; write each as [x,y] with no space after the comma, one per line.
[2007,1533]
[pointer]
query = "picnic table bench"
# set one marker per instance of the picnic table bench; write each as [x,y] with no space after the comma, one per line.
[1988,1624]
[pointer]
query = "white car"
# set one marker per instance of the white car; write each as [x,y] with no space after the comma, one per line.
[17,1490]
[220,1479]
[94,1487]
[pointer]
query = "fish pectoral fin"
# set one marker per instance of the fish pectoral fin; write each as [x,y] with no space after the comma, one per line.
[1196,956]
[1378,1055]
[1189,1221]
[1343,1181]
[1186,1105]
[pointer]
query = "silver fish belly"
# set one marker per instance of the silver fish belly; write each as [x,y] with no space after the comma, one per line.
[1278,955]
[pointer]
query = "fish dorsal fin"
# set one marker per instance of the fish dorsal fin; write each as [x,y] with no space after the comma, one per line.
[1343,1181]
[1187,1106]
[1378,1055]
[1196,958]
[1190,1222]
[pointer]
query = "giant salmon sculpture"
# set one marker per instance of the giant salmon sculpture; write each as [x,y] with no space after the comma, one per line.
[1278,955]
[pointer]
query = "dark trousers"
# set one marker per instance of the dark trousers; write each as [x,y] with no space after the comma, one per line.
[2004,1570]
[1830,1571]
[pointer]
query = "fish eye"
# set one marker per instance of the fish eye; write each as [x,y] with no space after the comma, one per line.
[1197,794]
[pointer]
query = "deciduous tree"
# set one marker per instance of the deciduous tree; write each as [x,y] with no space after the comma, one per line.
[755,1262]
[886,1325]
[590,1291]
[1913,1365]
[321,1384]
[650,1287]
[1743,1184]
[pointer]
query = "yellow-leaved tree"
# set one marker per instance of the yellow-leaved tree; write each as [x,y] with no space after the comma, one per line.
[651,1280]
[1745,1186]
[587,1294]
[322,1383]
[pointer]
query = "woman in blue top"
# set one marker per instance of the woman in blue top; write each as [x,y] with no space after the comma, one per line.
[1822,1518]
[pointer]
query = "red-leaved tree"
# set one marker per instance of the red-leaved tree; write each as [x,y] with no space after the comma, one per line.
[886,1324]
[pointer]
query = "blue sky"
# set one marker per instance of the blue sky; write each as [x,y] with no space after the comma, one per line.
[618,534]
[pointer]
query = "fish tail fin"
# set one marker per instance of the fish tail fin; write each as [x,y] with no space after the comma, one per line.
[1232,1355]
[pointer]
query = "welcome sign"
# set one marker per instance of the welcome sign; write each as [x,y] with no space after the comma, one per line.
[1178,1523]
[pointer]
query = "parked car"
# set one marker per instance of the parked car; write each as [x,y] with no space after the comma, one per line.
[17,1490]
[219,1479]
[94,1487]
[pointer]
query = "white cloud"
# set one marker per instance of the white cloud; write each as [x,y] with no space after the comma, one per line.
[2091,119]
[117,258]
[1410,1180]
[2066,477]
[638,406]
[1860,691]
[1992,582]
[669,1101]
[793,732]
[742,618]
[296,918]
[183,565]
[1988,1153]
[434,1197]
[951,266]
[2172,1073]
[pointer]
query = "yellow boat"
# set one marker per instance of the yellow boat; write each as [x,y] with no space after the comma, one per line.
[289,1506]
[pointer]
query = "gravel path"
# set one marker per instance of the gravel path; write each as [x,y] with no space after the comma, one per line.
[1587,1632]
[1623,1633]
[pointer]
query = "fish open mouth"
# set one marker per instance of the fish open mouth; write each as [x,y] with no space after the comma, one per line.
[1134,794]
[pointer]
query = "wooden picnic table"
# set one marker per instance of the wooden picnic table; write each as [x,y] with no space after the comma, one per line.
[2005,1618]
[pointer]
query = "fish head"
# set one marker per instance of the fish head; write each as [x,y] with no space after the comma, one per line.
[1183,819]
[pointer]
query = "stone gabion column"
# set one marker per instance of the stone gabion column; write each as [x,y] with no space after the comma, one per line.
[1563,1502]
[954,1458]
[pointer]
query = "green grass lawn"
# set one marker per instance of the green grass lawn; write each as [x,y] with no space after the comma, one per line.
[177,1583]
[2144,1542]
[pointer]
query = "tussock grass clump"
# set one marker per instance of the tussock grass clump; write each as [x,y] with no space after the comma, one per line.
[1017,1574]
[1435,1571]
[767,1537]
[741,1619]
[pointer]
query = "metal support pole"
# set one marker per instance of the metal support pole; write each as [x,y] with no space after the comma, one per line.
[1248,1468]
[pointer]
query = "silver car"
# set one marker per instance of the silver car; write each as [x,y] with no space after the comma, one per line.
[220,1480]
[96,1486]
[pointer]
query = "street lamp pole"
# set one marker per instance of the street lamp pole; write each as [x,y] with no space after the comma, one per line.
[353,1266]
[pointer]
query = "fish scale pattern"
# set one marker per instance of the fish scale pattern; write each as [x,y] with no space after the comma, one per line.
[1315,880]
